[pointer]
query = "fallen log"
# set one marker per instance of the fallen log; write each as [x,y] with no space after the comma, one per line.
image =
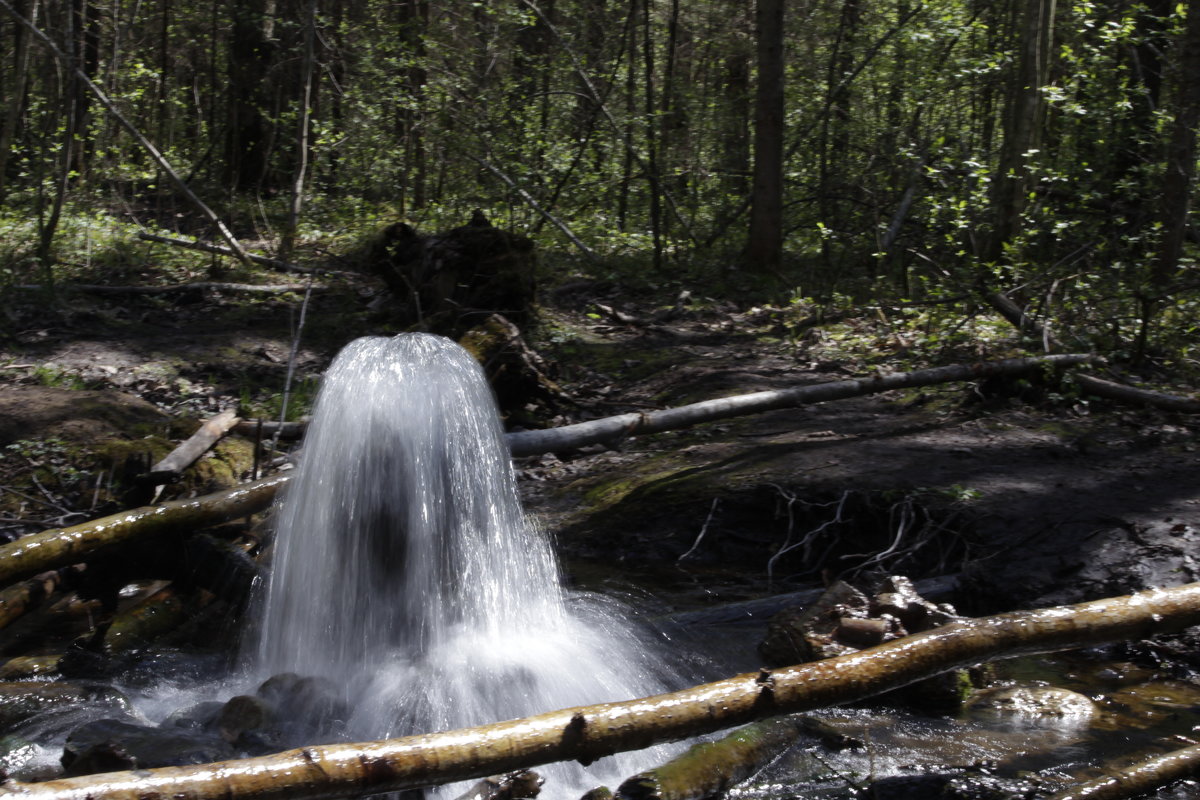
[20,598]
[40,552]
[288,431]
[1129,394]
[587,733]
[171,468]
[61,547]
[204,247]
[710,768]
[1137,779]
[204,286]
[610,430]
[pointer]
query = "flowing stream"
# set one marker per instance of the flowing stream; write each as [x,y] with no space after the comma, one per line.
[406,571]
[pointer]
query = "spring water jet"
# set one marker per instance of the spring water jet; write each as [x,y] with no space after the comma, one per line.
[406,573]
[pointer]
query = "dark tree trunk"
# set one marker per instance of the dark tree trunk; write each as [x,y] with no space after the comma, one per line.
[1023,125]
[764,250]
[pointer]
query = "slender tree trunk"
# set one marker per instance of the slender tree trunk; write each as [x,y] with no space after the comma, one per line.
[764,249]
[15,107]
[653,184]
[1023,125]
[288,241]
[1180,178]
[414,178]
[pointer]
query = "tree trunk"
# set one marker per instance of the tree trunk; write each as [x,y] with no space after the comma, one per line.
[587,733]
[1135,396]
[1023,125]
[1179,180]
[287,241]
[15,107]
[764,248]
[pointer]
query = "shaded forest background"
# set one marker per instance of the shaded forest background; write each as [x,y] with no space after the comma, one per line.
[826,151]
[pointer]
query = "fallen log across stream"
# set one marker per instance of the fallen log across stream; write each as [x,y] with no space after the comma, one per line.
[587,733]
[53,549]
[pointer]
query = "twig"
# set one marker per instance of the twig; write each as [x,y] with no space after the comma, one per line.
[291,369]
[703,530]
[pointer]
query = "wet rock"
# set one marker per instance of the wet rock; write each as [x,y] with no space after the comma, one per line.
[200,716]
[967,786]
[797,635]
[1033,702]
[844,620]
[22,701]
[108,744]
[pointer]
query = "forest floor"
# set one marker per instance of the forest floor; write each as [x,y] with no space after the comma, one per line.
[1028,492]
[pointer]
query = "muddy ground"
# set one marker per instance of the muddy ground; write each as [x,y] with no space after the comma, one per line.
[1028,492]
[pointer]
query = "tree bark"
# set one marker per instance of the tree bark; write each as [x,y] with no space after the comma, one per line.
[1023,124]
[613,429]
[1139,779]
[587,733]
[20,598]
[62,547]
[764,248]
[1130,394]
[709,769]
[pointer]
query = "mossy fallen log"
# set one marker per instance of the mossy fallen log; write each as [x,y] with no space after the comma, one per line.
[61,547]
[591,732]
[1137,780]
[710,768]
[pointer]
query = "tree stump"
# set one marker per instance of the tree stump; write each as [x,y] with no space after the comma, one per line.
[447,283]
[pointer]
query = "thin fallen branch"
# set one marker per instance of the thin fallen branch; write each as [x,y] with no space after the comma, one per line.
[207,286]
[1129,394]
[613,429]
[587,733]
[40,552]
[204,247]
[1138,779]
[533,203]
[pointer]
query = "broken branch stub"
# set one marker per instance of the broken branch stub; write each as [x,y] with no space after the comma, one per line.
[590,732]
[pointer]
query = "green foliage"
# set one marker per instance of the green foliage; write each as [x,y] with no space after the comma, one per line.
[895,122]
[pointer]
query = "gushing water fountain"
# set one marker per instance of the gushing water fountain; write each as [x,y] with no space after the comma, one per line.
[406,571]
